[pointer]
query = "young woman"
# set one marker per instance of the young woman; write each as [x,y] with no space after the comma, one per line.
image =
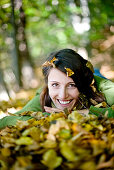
[69,83]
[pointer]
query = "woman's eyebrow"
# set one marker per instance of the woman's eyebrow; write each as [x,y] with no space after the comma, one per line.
[71,82]
[53,81]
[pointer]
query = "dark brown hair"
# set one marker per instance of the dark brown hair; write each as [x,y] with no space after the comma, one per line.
[83,75]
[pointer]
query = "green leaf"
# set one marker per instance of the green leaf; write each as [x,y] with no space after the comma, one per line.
[24,141]
[65,133]
[67,152]
[107,112]
[51,160]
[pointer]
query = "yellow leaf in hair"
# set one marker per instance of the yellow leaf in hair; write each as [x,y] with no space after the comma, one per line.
[93,81]
[92,85]
[93,88]
[90,66]
[69,72]
[50,63]
[54,59]
[46,64]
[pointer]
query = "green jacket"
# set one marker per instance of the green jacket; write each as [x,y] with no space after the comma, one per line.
[103,85]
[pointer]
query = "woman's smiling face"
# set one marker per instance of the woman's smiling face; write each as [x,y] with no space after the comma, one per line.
[62,89]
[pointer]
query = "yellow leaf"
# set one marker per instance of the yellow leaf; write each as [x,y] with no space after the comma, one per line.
[51,160]
[5,152]
[69,72]
[90,66]
[24,141]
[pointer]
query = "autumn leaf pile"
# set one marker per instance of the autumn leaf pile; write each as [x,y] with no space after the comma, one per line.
[58,141]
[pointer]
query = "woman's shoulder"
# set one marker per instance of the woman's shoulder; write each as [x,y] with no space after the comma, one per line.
[33,104]
[11,120]
[106,86]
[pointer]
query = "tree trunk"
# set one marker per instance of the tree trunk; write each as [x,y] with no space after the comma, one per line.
[3,83]
[22,55]
[16,59]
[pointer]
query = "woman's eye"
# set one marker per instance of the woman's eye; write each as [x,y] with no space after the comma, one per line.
[71,85]
[55,84]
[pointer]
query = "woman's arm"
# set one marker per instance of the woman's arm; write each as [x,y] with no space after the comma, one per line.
[32,105]
[11,120]
[106,87]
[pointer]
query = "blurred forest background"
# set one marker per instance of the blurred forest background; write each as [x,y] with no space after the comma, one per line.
[31,29]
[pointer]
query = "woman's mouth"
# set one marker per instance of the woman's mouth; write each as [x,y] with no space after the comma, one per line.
[64,102]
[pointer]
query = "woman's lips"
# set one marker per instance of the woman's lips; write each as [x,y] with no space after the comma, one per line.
[64,102]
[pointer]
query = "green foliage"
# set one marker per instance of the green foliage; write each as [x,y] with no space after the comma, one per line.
[49,27]
[51,23]
[101,15]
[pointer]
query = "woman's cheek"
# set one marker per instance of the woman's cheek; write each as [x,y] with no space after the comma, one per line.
[74,93]
[52,93]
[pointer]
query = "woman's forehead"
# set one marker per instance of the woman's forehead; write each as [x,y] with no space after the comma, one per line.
[57,75]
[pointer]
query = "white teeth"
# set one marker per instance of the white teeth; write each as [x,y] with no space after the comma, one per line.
[64,102]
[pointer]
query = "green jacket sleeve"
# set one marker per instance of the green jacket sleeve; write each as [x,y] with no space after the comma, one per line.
[32,105]
[107,88]
[107,112]
[11,120]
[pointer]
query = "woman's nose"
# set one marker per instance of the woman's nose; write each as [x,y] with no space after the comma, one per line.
[63,93]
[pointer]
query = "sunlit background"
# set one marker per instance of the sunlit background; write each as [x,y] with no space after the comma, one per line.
[30,30]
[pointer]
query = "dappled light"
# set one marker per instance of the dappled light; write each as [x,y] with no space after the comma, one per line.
[39,129]
[37,28]
[3,95]
[107,72]
[80,26]
[22,47]
[83,52]
[107,43]
[55,2]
